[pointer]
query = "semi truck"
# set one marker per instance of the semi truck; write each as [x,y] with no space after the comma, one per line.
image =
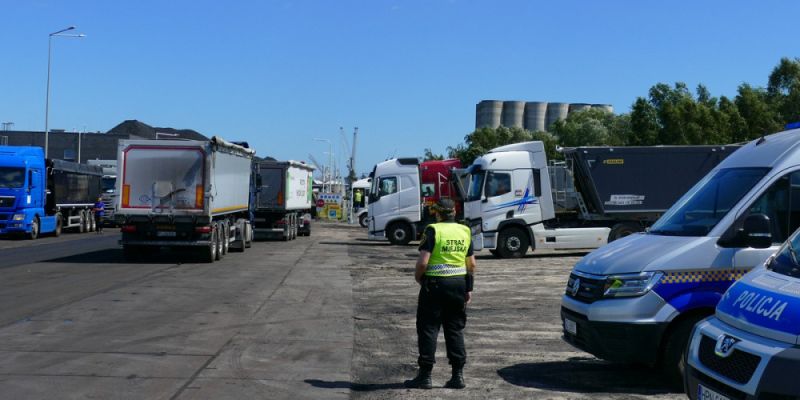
[402,191]
[44,196]
[184,194]
[283,199]
[360,211]
[516,201]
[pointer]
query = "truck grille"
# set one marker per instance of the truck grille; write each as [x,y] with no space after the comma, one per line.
[7,202]
[738,367]
[588,290]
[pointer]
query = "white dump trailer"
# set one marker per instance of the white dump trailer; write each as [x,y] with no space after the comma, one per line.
[282,199]
[176,193]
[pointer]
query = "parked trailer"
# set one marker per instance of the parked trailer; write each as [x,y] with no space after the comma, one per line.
[283,198]
[40,196]
[189,194]
[108,187]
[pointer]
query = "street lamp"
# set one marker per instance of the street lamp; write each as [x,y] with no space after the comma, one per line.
[47,98]
[330,163]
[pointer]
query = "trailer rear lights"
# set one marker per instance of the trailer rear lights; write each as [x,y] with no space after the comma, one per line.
[280,198]
[198,196]
[128,229]
[203,229]
[126,195]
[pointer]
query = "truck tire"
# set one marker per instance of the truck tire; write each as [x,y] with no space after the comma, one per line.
[92,222]
[399,233]
[219,238]
[59,225]
[512,242]
[34,233]
[239,237]
[673,357]
[209,253]
[82,224]
[248,235]
[362,220]
[226,229]
[622,229]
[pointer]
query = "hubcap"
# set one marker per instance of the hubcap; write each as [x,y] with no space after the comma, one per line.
[513,243]
[399,234]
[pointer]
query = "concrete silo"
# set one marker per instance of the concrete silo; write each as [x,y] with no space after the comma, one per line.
[555,112]
[535,112]
[488,113]
[513,114]
[579,107]
[605,107]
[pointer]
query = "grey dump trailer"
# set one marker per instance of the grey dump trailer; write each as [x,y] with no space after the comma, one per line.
[283,199]
[184,194]
[73,190]
[628,188]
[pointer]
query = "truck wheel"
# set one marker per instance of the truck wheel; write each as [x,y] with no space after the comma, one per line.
[34,233]
[209,254]
[512,243]
[673,358]
[92,222]
[240,242]
[399,233]
[362,220]
[248,235]
[623,229]
[226,237]
[59,225]
[219,239]
[82,224]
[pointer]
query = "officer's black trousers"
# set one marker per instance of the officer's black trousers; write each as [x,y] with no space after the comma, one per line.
[442,302]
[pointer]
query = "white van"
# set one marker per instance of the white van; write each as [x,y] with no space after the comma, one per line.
[637,299]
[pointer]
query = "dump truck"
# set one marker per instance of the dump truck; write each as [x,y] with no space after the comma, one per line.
[184,194]
[283,199]
[44,196]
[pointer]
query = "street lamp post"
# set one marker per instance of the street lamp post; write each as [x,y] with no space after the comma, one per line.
[47,98]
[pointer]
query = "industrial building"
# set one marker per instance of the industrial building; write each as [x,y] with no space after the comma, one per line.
[80,146]
[532,115]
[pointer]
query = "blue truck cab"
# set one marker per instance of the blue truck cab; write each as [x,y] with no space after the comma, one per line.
[637,299]
[749,349]
[40,196]
[23,192]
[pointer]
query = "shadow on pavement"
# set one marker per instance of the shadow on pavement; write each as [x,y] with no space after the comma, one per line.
[587,375]
[114,256]
[356,387]
[365,243]
[487,256]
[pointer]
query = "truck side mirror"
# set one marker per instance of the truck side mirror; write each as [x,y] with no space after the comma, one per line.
[756,231]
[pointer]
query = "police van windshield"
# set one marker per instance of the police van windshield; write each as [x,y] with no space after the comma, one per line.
[786,260]
[476,185]
[12,177]
[703,206]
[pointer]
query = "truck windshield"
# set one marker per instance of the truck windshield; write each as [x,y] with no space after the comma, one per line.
[108,184]
[703,206]
[476,185]
[12,177]
[786,260]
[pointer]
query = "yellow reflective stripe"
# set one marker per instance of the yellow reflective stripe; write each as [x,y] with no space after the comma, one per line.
[445,270]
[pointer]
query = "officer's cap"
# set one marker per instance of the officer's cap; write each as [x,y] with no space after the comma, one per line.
[444,206]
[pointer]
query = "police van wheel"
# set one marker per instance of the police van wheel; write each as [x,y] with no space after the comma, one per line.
[623,229]
[512,243]
[362,220]
[399,233]
[673,359]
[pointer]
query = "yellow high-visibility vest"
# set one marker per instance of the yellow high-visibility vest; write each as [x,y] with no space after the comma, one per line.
[449,256]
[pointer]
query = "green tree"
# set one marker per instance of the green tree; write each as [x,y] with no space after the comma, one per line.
[757,111]
[783,89]
[591,127]
[430,156]
[484,139]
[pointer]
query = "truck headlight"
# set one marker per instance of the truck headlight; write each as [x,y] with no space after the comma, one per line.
[630,285]
[19,217]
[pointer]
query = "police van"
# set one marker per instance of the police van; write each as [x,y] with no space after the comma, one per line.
[638,298]
[748,350]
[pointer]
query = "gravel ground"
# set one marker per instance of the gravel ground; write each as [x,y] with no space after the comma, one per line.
[513,333]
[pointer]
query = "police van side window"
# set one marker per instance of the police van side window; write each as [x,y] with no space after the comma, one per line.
[497,184]
[781,203]
[388,186]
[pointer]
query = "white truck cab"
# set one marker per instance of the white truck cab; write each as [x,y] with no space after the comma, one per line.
[637,299]
[749,349]
[395,205]
[360,211]
[509,200]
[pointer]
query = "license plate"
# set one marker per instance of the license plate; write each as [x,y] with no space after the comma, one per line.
[704,393]
[165,234]
[570,326]
[165,227]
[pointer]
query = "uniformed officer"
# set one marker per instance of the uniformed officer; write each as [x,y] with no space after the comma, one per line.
[445,269]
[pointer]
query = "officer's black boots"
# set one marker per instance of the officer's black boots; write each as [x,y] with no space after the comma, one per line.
[457,380]
[422,380]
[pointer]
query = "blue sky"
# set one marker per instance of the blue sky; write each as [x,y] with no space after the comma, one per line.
[407,73]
